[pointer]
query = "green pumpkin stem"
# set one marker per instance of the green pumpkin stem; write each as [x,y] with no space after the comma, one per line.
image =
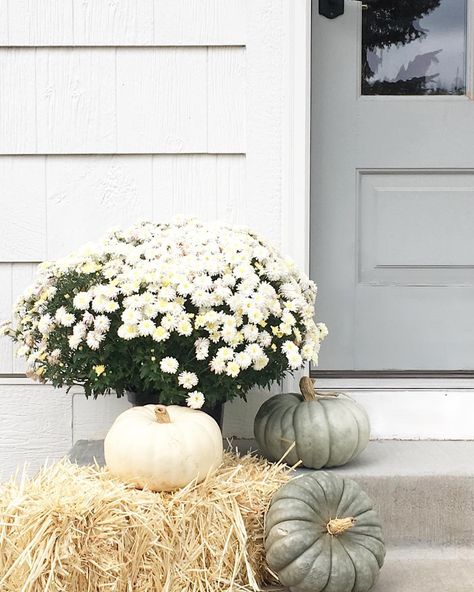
[161,414]
[338,526]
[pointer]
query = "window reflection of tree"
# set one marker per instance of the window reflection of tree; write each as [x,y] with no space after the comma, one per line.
[389,22]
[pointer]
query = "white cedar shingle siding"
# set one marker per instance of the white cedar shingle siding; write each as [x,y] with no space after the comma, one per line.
[114,111]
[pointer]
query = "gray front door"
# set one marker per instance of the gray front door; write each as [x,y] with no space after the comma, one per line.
[392,207]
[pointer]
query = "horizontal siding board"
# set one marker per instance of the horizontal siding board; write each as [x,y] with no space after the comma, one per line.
[89,195]
[17,101]
[233,203]
[75,100]
[22,275]
[162,100]
[125,100]
[200,22]
[122,22]
[6,304]
[185,185]
[14,278]
[226,99]
[35,426]
[36,22]
[53,204]
[22,207]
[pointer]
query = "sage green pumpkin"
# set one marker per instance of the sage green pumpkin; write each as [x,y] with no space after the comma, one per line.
[322,534]
[328,429]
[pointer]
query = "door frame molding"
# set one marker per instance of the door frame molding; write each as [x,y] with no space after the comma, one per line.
[296,135]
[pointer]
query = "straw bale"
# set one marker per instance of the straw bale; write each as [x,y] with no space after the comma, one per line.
[77,529]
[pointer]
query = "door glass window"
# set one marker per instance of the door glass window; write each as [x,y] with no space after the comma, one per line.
[414,47]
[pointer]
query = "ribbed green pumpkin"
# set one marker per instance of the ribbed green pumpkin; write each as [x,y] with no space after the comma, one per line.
[328,429]
[323,535]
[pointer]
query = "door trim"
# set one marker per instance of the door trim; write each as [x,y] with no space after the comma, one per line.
[391,374]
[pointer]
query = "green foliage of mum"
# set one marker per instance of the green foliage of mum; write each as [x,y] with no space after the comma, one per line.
[195,312]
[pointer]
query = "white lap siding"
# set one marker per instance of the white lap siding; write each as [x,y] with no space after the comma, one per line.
[112,112]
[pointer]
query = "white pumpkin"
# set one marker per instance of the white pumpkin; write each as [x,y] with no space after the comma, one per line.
[163,448]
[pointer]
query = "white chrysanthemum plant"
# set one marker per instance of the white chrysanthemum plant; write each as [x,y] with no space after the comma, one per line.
[197,313]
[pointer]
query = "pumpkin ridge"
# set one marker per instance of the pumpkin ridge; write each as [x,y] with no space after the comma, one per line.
[325,543]
[380,564]
[266,431]
[262,428]
[311,567]
[341,496]
[331,551]
[296,431]
[355,495]
[361,544]
[290,410]
[329,437]
[298,557]
[366,534]
[316,501]
[306,504]
[349,406]
[324,494]
[341,541]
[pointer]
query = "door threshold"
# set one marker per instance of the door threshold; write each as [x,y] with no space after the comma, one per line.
[393,380]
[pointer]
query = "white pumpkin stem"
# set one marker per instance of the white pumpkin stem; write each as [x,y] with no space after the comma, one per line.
[338,526]
[161,414]
[309,392]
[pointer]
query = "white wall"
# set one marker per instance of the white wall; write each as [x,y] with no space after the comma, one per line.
[113,111]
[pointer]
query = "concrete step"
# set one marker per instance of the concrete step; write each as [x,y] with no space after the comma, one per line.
[415,569]
[423,490]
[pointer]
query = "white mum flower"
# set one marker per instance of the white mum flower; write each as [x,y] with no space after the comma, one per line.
[45,324]
[243,360]
[187,380]
[167,293]
[169,365]
[195,400]
[261,362]
[127,331]
[323,330]
[232,369]
[201,346]
[111,306]
[254,351]
[295,360]
[225,353]
[289,348]
[101,323]
[23,351]
[217,365]
[82,300]
[184,327]
[146,327]
[131,316]
[265,339]
[87,318]
[54,355]
[93,339]
[74,341]
[250,332]
[160,334]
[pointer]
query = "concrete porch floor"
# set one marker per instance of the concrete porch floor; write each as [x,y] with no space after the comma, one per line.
[424,492]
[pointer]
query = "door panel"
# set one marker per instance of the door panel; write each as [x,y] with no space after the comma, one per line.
[392,212]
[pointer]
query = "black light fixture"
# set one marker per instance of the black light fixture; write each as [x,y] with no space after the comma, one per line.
[333,8]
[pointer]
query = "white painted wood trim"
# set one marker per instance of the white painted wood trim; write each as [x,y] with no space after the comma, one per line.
[296,142]
[295,222]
